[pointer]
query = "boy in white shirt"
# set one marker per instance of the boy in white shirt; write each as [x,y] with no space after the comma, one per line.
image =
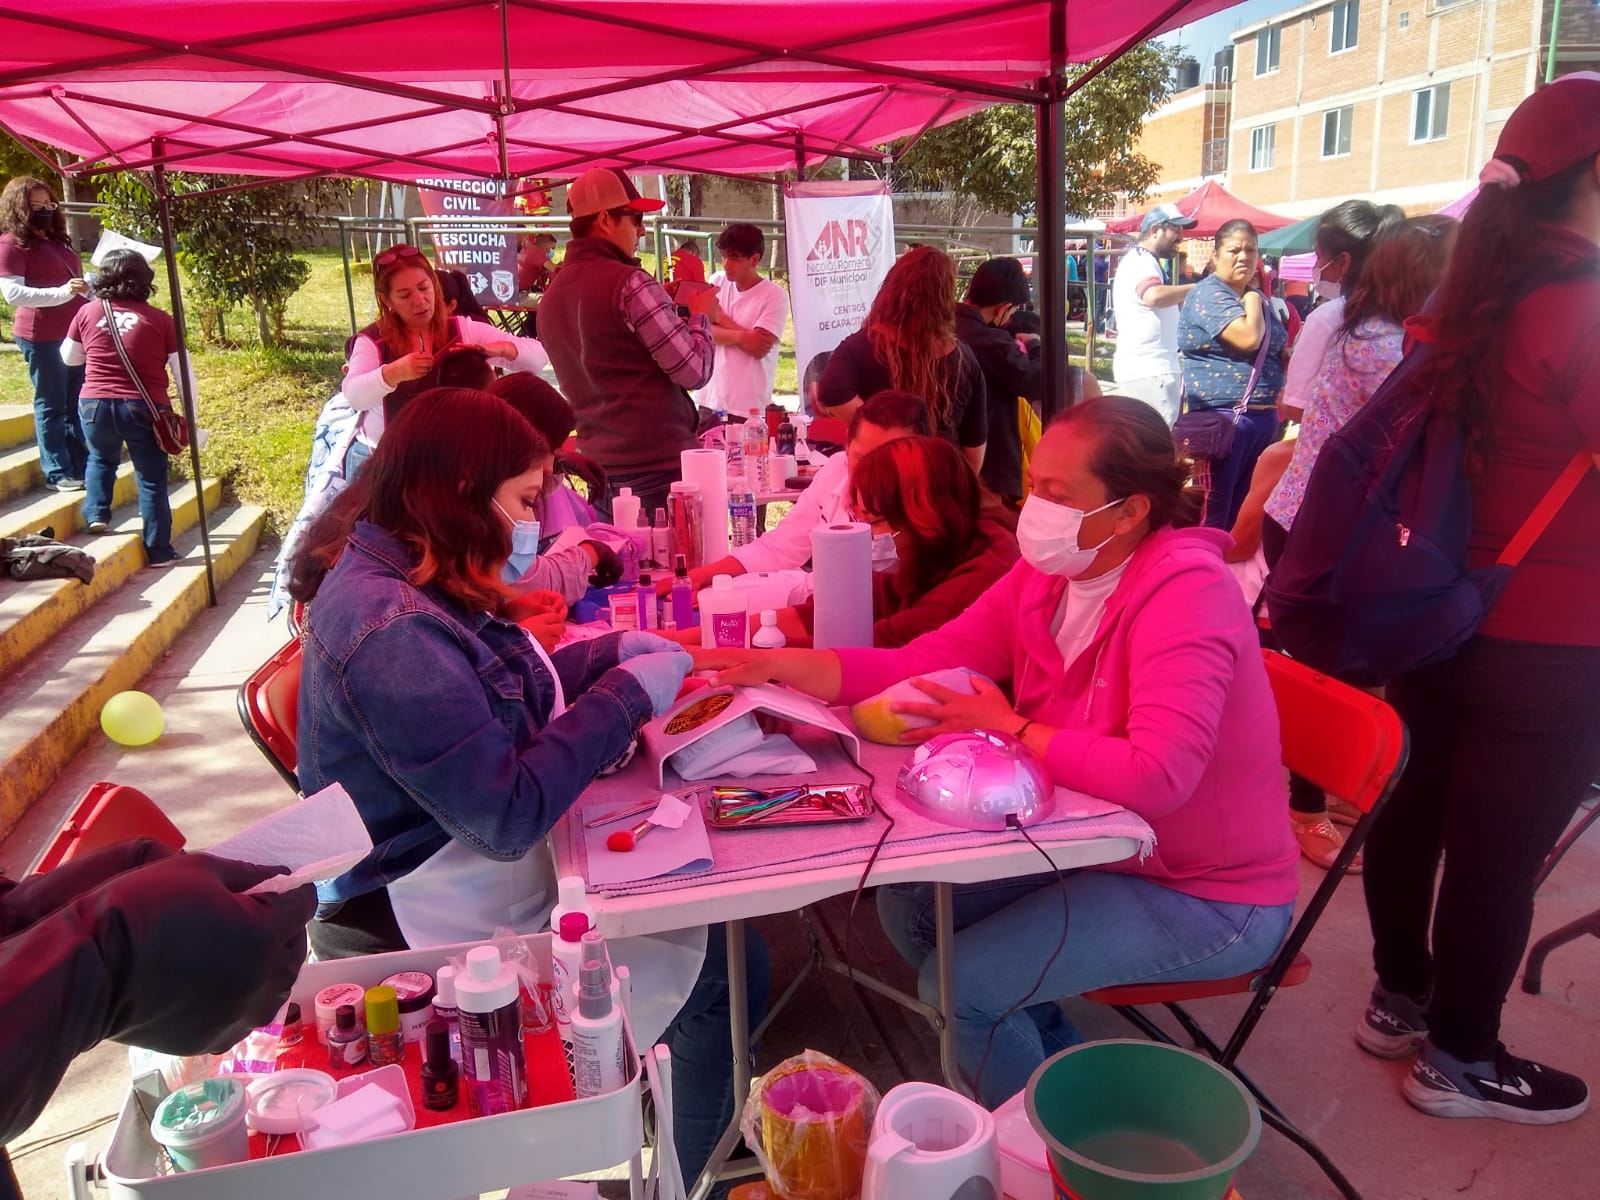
[753,313]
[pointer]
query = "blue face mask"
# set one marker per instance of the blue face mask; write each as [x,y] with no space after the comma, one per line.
[524,545]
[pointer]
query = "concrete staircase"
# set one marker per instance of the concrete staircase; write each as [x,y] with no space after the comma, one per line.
[66,647]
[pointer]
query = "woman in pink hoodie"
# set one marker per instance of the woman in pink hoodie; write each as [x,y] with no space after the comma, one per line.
[1137,677]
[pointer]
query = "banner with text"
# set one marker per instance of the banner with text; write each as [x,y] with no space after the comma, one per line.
[840,238]
[487,256]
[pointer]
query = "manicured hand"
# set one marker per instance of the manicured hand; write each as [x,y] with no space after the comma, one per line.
[734,666]
[951,710]
[505,350]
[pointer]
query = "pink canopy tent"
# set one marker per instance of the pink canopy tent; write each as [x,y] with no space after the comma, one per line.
[499,90]
[1213,206]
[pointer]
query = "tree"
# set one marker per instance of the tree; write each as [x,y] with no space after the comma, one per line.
[238,247]
[989,159]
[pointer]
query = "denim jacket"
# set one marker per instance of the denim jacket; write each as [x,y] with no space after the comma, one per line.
[437,720]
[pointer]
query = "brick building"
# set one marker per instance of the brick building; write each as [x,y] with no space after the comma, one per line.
[1188,137]
[1398,101]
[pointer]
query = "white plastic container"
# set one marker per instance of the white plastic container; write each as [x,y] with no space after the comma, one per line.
[625,510]
[203,1124]
[724,615]
[566,956]
[598,1062]
[769,636]
[1024,1168]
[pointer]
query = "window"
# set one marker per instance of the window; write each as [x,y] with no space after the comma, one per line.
[1342,28]
[1263,141]
[1268,42]
[1336,131]
[1404,20]
[1430,113]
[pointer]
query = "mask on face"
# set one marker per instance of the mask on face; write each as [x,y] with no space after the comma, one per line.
[524,544]
[42,219]
[1325,288]
[1047,535]
[885,555]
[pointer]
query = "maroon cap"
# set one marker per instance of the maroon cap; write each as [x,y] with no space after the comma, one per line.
[600,189]
[1555,128]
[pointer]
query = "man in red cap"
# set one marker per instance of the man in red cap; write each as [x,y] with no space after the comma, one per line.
[622,352]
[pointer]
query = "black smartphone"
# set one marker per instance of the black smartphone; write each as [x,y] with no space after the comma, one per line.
[683,311]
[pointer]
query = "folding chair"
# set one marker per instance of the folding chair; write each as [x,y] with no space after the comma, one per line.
[1347,743]
[108,813]
[268,708]
[1533,975]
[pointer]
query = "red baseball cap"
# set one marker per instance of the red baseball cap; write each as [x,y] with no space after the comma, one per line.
[1555,128]
[601,189]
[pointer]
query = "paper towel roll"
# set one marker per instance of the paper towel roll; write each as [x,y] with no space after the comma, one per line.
[841,564]
[709,469]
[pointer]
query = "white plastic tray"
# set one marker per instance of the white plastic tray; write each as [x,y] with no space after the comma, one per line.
[440,1163]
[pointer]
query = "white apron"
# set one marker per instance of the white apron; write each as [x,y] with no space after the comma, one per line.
[458,895]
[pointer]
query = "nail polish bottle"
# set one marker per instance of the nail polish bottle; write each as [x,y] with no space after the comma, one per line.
[347,1041]
[440,1076]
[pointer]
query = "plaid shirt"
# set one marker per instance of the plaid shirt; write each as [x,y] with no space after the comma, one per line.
[684,350]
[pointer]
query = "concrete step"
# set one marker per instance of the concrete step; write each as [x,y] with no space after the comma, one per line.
[16,425]
[20,471]
[50,706]
[61,511]
[32,613]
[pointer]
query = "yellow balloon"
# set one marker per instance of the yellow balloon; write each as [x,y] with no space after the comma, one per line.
[132,718]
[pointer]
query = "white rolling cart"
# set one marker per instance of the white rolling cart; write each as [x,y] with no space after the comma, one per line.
[445,1162]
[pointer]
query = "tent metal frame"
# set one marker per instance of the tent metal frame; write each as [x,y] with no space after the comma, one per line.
[274,148]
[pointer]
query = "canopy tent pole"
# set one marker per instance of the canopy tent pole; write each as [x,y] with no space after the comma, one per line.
[1051,201]
[170,250]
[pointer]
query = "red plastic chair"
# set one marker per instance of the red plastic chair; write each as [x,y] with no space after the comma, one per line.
[108,813]
[268,708]
[1347,743]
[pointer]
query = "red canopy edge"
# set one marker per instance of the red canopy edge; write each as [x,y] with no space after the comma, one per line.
[1213,206]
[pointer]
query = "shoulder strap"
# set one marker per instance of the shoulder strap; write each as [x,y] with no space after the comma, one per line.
[1261,358]
[1545,511]
[122,353]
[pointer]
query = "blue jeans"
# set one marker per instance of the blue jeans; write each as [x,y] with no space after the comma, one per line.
[62,451]
[702,1060]
[109,423]
[1121,929]
[1230,475]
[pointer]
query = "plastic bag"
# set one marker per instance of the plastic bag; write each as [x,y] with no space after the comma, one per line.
[515,950]
[808,1122]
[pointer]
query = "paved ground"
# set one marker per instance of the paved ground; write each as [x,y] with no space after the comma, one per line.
[213,780]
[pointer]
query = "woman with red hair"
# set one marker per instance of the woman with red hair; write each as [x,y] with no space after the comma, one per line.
[462,741]
[909,343]
[939,540]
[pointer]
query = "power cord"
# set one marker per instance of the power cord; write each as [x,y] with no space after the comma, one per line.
[850,917]
[1027,997]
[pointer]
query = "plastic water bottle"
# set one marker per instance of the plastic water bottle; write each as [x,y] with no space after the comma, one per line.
[741,516]
[755,451]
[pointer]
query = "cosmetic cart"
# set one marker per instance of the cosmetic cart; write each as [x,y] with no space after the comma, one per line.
[444,1162]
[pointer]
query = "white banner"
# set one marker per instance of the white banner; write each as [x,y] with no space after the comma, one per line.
[840,238]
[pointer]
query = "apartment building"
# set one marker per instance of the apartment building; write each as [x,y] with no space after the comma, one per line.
[1188,138]
[1398,101]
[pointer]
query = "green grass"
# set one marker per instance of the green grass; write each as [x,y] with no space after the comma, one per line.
[260,404]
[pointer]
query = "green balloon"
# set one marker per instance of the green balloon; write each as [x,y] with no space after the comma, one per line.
[132,718]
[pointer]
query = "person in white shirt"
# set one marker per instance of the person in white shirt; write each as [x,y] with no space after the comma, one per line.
[826,500]
[753,313]
[1145,366]
[1345,235]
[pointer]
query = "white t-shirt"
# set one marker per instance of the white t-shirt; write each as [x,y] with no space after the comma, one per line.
[1310,348]
[1081,610]
[740,381]
[1147,338]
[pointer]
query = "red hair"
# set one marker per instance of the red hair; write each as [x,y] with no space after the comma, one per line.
[926,491]
[430,483]
[912,326]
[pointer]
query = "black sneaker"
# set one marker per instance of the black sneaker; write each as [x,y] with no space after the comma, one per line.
[1393,1026]
[98,527]
[1506,1088]
[65,485]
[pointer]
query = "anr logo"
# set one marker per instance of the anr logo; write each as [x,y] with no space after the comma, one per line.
[840,239]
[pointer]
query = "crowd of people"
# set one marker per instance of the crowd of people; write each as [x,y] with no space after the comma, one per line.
[1091,576]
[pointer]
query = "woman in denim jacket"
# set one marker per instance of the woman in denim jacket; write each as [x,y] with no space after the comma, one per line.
[460,739]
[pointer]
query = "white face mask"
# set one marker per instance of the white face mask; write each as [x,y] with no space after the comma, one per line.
[1325,288]
[885,554]
[1047,535]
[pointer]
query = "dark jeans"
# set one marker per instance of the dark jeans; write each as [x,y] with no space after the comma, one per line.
[1230,475]
[63,453]
[699,1037]
[1304,796]
[650,486]
[1505,740]
[108,423]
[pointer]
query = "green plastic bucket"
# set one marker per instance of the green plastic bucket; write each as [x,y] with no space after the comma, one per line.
[1134,1120]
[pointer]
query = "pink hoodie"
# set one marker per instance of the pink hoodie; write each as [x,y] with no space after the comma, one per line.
[1167,711]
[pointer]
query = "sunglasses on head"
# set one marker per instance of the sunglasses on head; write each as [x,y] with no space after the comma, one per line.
[394,254]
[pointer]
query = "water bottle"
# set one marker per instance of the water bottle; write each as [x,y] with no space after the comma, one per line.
[741,516]
[755,451]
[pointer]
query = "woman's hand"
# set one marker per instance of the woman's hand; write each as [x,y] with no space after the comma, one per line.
[951,710]
[547,628]
[403,370]
[77,287]
[506,350]
[736,667]
[538,603]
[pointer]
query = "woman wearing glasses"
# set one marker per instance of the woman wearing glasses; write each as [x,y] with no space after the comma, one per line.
[41,278]
[390,358]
